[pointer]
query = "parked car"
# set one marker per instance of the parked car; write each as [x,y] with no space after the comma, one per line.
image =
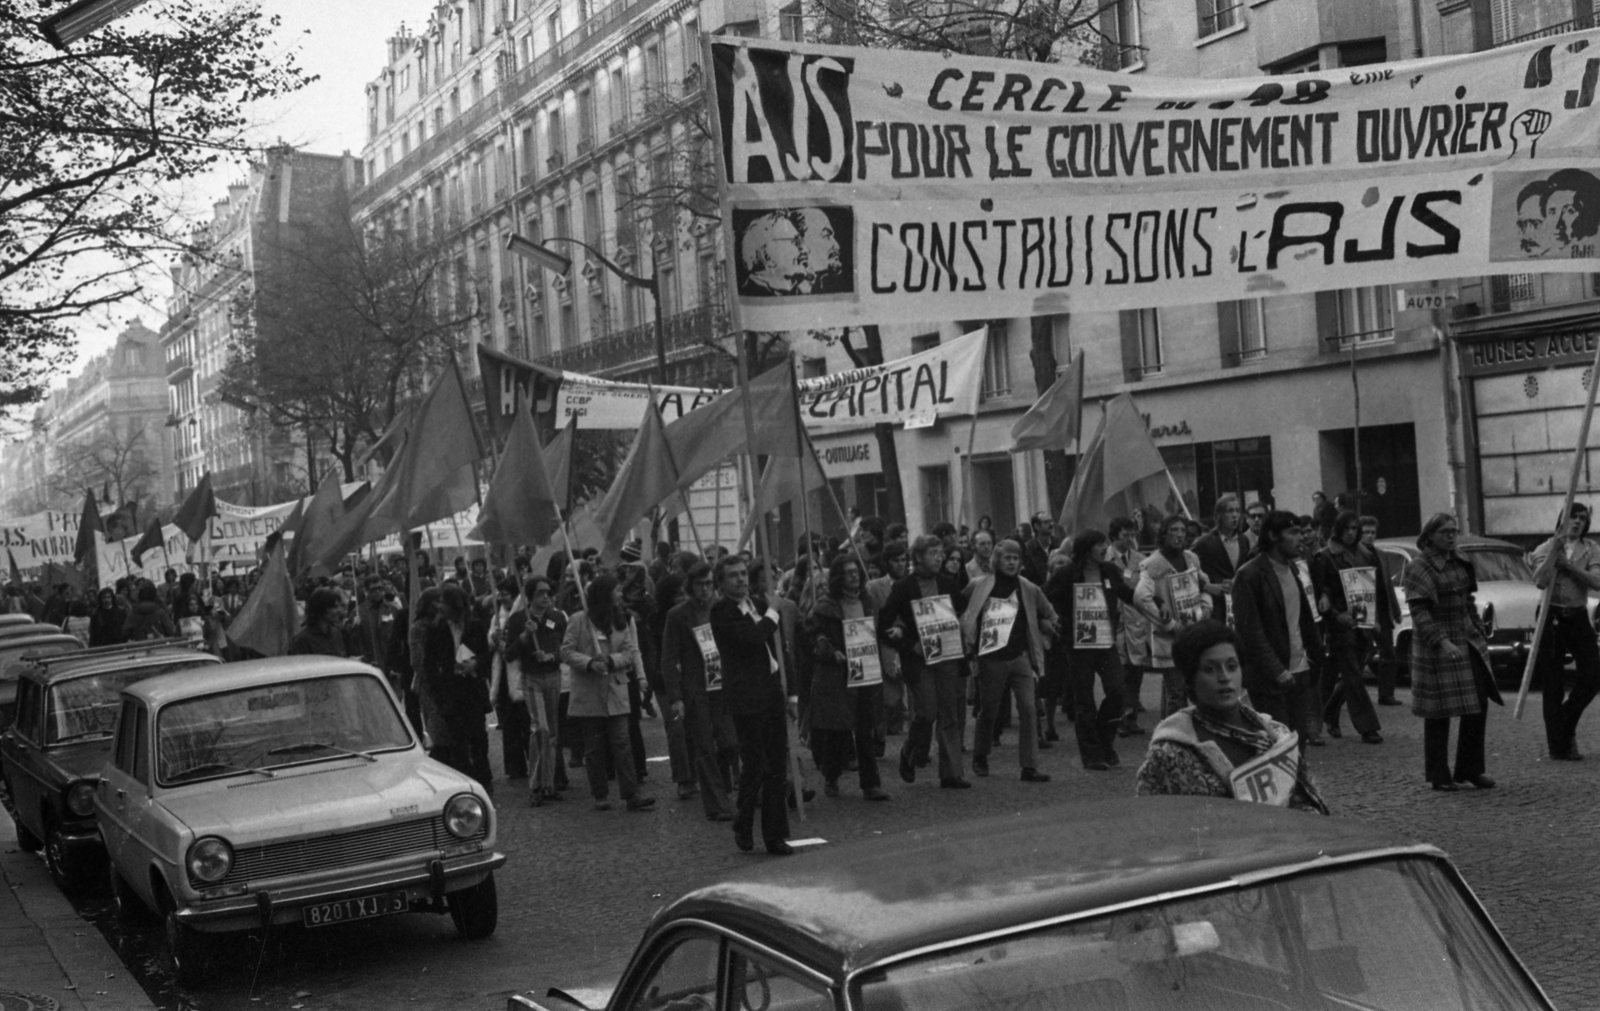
[1148,902]
[17,629]
[14,655]
[1507,599]
[285,791]
[9,620]
[50,758]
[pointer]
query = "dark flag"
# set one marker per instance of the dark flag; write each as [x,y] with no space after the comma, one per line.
[153,538]
[88,526]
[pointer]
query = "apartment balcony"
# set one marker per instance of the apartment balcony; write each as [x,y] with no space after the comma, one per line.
[1577,24]
[634,350]
[179,369]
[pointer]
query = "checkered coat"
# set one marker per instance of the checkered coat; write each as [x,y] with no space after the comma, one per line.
[1439,589]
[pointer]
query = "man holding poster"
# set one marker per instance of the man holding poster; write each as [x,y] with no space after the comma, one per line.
[1171,586]
[919,619]
[839,648]
[1011,621]
[1090,592]
[1346,590]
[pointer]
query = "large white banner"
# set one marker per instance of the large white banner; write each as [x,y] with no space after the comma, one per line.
[925,186]
[909,391]
[42,537]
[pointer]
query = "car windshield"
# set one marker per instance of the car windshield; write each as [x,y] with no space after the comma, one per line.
[1492,564]
[86,707]
[1395,935]
[259,728]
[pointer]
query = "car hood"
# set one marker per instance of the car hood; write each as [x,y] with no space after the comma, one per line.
[82,759]
[317,797]
[1515,603]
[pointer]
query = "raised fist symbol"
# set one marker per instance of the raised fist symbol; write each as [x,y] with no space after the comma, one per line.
[1530,123]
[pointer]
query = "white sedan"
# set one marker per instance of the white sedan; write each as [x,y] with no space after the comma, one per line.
[286,791]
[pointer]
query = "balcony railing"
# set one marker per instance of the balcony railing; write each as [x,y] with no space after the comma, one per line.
[179,368]
[1577,24]
[636,346]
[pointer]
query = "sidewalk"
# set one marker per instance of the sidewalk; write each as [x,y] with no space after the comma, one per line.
[52,958]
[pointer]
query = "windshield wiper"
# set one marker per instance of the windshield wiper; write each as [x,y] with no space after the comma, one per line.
[284,749]
[220,766]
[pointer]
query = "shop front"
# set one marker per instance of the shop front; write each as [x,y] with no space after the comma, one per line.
[1524,396]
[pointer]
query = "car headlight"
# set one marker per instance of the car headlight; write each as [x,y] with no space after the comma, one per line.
[80,798]
[464,816]
[210,859]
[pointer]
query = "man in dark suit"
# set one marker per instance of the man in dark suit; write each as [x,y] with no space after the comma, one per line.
[755,697]
[1279,647]
[1223,551]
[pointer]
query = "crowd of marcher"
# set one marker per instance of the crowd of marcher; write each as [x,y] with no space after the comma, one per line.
[1262,631]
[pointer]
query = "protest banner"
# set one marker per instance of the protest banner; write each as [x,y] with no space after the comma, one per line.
[937,628]
[1302,572]
[1091,618]
[935,383]
[861,652]
[40,538]
[999,618]
[711,655]
[872,186]
[1183,590]
[1361,596]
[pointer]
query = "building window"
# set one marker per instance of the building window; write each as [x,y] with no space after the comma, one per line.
[1142,351]
[1365,314]
[556,137]
[654,79]
[552,30]
[935,495]
[813,368]
[691,45]
[924,342]
[569,325]
[1242,326]
[585,120]
[619,100]
[791,27]
[592,230]
[1121,35]
[529,156]
[1217,15]
[996,365]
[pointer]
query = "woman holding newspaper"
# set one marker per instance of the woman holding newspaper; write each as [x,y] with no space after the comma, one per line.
[1172,587]
[1218,746]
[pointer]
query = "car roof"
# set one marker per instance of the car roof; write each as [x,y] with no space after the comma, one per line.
[851,906]
[164,688]
[19,629]
[15,619]
[22,643]
[72,665]
[1465,542]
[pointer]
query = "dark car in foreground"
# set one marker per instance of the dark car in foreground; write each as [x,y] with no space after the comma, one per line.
[1143,903]
[50,758]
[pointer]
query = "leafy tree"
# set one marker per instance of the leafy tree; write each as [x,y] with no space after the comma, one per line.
[90,136]
[340,329]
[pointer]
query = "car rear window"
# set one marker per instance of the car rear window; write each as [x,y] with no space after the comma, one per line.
[266,726]
[1500,565]
[86,707]
[1320,940]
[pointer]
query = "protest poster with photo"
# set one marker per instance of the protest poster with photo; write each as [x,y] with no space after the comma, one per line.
[861,652]
[1361,596]
[712,658]
[864,186]
[1183,591]
[1091,618]
[937,628]
[999,618]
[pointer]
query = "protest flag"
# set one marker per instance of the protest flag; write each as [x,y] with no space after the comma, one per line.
[703,438]
[789,479]
[88,525]
[389,443]
[266,621]
[521,505]
[558,463]
[321,516]
[194,516]
[153,538]
[1053,422]
[1118,456]
[289,526]
[646,479]
[16,573]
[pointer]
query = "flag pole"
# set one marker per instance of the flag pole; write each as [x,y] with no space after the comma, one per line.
[718,525]
[1579,455]
[1173,483]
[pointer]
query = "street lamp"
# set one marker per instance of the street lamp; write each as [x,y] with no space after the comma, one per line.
[554,262]
[68,26]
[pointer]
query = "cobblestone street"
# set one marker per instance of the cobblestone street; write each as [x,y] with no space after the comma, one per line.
[580,885]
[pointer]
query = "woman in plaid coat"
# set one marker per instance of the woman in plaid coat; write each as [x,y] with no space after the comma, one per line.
[1449,657]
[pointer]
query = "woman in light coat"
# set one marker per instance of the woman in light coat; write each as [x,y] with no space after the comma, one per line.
[1154,594]
[600,650]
